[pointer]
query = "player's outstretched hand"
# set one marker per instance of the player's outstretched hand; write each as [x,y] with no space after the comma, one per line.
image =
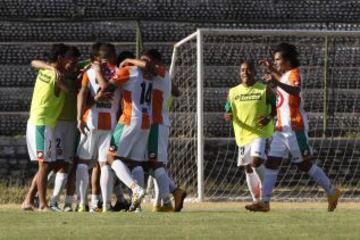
[266,63]
[267,78]
[81,126]
[228,117]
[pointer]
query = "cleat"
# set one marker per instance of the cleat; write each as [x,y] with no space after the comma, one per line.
[95,209]
[179,196]
[81,208]
[55,207]
[67,208]
[138,209]
[333,200]
[258,207]
[167,208]
[156,208]
[138,195]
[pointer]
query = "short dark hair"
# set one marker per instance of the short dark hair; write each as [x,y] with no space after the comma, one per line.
[94,51]
[289,53]
[250,63]
[107,51]
[154,54]
[124,55]
[57,50]
[72,51]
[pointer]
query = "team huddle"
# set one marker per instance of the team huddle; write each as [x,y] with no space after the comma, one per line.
[119,105]
[109,114]
[253,107]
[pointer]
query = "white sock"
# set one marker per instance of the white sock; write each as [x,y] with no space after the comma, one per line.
[123,173]
[270,177]
[157,199]
[162,180]
[320,178]
[60,180]
[106,184]
[138,174]
[253,183]
[82,181]
[95,200]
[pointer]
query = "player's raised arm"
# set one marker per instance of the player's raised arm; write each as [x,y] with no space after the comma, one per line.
[286,59]
[81,100]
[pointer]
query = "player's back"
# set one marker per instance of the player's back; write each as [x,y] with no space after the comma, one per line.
[136,96]
[46,106]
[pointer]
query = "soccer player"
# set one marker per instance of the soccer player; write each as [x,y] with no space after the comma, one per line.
[65,130]
[291,128]
[130,138]
[251,107]
[96,124]
[159,136]
[46,106]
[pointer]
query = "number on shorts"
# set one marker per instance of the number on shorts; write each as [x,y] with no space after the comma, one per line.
[241,151]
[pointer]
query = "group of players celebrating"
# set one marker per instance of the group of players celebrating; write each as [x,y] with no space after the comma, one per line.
[118,105]
[273,111]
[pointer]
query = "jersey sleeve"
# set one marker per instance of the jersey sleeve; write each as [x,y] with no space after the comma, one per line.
[85,80]
[122,76]
[295,78]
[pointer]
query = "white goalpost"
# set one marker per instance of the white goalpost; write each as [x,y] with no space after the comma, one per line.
[202,149]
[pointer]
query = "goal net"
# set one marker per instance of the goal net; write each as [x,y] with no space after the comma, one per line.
[202,149]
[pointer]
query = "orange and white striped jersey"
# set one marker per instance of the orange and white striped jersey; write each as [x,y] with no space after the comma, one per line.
[136,96]
[161,94]
[101,115]
[290,110]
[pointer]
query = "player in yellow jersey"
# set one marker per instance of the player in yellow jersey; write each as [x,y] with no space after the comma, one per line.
[291,128]
[46,106]
[65,131]
[251,108]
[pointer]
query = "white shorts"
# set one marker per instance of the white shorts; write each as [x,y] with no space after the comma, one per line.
[40,141]
[130,141]
[295,143]
[94,145]
[257,148]
[65,134]
[158,142]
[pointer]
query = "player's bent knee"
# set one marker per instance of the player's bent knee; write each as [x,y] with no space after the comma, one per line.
[248,168]
[256,162]
[273,163]
[304,166]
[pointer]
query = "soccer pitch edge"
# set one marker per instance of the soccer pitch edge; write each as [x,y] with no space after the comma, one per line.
[208,220]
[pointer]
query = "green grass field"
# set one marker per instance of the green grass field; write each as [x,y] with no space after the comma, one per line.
[197,221]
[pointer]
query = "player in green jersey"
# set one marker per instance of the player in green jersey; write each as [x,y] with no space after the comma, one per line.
[251,108]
